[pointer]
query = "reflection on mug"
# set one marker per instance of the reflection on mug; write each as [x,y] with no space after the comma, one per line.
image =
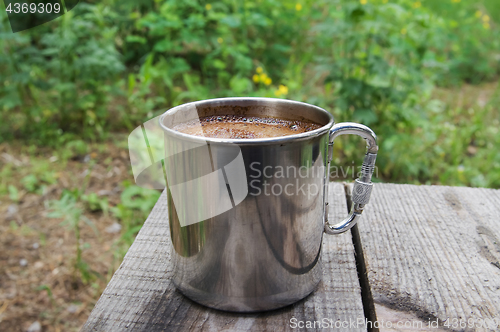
[189,170]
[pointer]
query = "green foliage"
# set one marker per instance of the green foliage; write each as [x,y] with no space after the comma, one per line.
[76,147]
[37,181]
[197,50]
[54,79]
[137,198]
[49,293]
[385,59]
[94,203]
[135,205]
[467,41]
[68,209]
[30,182]
[13,193]
[376,61]
[115,64]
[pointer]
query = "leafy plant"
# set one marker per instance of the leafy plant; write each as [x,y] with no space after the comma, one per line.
[470,52]
[30,182]
[70,208]
[95,203]
[55,79]
[135,205]
[13,193]
[49,293]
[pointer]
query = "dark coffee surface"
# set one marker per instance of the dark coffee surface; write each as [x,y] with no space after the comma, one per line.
[235,126]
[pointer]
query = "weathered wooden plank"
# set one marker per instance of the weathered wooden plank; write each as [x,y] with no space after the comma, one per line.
[435,251]
[140,296]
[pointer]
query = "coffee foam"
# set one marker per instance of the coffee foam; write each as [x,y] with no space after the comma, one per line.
[241,127]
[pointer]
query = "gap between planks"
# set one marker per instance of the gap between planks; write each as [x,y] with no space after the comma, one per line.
[433,252]
[364,283]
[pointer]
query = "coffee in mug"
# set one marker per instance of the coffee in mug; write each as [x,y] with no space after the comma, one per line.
[244,127]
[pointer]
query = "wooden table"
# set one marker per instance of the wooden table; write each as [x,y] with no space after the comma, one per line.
[423,258]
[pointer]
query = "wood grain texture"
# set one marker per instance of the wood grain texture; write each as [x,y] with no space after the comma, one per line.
[140,296]
[434,251]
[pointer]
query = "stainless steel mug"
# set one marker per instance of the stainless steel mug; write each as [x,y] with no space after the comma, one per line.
[247,216]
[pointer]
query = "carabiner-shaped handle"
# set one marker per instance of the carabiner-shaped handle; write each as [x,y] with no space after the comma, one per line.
[362,185]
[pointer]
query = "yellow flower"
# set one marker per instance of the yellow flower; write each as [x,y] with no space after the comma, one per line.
[363,2]
[220,40]
[268,81]
[403,31]
[263,77]
[486,25]
[417,4]
[385,1]
[479,14]
[208,6]
[256,78]
[259,70]
[283,89]
[298,7]
[486,18]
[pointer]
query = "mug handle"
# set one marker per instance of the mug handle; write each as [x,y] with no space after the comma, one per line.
[362,185]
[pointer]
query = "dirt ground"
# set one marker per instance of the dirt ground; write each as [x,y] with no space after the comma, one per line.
[40,290]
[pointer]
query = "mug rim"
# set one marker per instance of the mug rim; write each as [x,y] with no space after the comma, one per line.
[249,141]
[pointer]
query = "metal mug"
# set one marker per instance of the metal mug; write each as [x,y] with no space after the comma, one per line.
[247,216]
